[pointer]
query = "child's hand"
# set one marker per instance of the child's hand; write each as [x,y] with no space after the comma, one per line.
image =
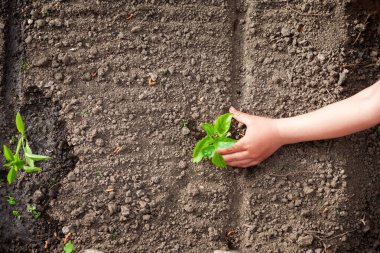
[260,141]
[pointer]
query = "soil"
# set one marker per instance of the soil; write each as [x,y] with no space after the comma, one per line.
[115,92]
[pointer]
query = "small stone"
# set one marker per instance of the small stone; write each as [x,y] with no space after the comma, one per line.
[41,62]
[285,32]
[40,23]
[308,190]
[112,208]
[99,142]
[297,202]
[146,217]
[86,77]
[28,39]
[136,29]
[65,230]
[171,70]
[58,76]
[125,211]
[66,59]
[182,165]
[92,251]
[305,241]
[343,76]
[185,131]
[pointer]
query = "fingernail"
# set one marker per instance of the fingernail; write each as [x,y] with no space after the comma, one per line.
[232,109]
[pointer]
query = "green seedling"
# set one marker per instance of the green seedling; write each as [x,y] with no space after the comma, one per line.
[216,138]
[11,200]
[16,214]
[17,160]
[32,209]
[69,247]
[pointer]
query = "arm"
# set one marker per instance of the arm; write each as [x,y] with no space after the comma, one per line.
[264,136]
[348,116]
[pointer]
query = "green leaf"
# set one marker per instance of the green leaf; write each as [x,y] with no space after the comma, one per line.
[208,151]
[223,123]
[210,130]
[28,150]
[20,123]
[224,142]
[9,164]
[37,157]
[18,163]
[7,153]
[29,169]
[203,143]
[69,247]
[218,161]
[12,175]
[11,200]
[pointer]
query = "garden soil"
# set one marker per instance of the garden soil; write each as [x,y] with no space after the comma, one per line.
[115,92]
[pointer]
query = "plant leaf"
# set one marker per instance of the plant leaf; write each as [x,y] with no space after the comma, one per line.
[69,247]
[28,150]
[224,142]
[218,161]
[29,169]
[12,175]
[20,123]
[223,123]
[203,143]
[210,130]
[7,153]
[208,151]
[37,157]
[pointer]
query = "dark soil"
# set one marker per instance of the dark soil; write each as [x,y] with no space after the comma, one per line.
[121,180]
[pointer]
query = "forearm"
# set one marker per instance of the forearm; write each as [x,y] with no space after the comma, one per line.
[348,116]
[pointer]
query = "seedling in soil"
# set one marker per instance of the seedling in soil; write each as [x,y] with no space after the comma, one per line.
[216,138]
[32,209]
[18,161]
[69,247]
[11,200]
[16,214]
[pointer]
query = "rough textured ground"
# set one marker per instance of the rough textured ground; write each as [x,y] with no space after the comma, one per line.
[122,179]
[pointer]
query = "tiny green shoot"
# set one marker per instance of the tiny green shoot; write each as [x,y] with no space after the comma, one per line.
[16,214]
[11,200]
[26,160]
[69,247]
[32,209]
[216,138]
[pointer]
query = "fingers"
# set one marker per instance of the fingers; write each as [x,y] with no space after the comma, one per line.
[243,163]
[236,156]
[237,147]
[240,116]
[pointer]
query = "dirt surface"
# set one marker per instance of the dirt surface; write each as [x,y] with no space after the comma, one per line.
[115,92]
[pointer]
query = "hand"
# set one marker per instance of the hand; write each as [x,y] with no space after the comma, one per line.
[261,140]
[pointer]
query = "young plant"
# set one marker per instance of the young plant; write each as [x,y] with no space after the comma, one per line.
[17,214]
[32,209]
[17,160]
[216,138]
[69,247]
[11,200]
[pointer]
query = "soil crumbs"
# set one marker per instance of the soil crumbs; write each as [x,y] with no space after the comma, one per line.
[115,92]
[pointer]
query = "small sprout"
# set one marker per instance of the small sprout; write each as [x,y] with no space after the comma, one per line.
[216,138]
[11,200]
[69,247]
[24,160]
[32,209]
[17,214]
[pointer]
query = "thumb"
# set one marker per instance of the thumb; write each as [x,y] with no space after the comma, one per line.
[240,116]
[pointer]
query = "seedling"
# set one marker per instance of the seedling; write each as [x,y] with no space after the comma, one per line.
[69,247]
[11,201]
[216,138]
[17,214]
[18,161]
[32,209]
